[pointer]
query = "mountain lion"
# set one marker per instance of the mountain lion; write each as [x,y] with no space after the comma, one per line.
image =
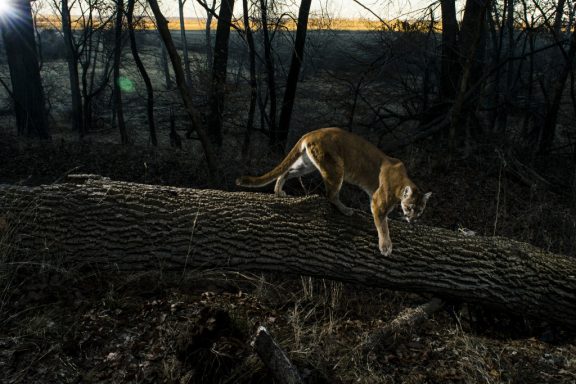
[342,156]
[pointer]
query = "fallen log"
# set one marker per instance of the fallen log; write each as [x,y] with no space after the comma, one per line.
[134,227]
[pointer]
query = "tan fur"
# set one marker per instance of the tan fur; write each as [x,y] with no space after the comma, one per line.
[342,156]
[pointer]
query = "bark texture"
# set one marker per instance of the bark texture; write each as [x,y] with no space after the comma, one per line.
[219,71]
[274,357]
[162,25]
[17,28]
[293,72]
[141,227]
[408,319]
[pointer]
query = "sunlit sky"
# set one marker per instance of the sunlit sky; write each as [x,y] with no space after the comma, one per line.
[335,8]
[385,9]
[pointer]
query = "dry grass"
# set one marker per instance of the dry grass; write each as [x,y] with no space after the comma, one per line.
[156,326]
[59,325]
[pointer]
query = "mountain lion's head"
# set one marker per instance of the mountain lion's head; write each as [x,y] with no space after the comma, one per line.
[413,203]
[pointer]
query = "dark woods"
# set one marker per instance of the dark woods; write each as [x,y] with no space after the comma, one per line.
[494,72]
[477,97]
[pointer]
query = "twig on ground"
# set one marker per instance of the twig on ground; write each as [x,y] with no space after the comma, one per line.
[408,318]
[275,358]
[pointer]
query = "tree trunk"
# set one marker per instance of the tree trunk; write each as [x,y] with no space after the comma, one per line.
[18,33]
[184,43]
[72,59]
[126,226]
[219,68]
[293,73]
[162,25]
[270,72]
[547,132]
[450,67]
[253,82]
[557,27]
[143,73]
[117,58]
[208,34]
[502,118]
[164,64]
[471,34]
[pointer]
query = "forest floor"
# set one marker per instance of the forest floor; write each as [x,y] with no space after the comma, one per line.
[61,325]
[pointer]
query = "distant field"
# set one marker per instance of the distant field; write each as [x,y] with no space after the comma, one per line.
[196,24]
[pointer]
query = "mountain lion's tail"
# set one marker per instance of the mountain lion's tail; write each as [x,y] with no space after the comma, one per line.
[267,178]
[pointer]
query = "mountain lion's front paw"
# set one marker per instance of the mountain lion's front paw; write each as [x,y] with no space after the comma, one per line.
[385,248]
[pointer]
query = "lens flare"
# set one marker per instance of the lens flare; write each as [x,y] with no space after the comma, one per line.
[125,84]
[4,7]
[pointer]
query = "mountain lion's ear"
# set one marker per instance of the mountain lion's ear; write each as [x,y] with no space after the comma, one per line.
[406,192]
[427,196]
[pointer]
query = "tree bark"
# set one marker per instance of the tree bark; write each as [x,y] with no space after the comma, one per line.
[547,132]
[162,25]
[117,58]
[406,320]
[502,109]
[72,61]
[184,43]
[450,67]
[253,81]
[135,227]
[219,69]
[128,226]
[208,34]
[274,357]
[143,73]
[164,64]
[270,72]
[17,29]
[471,36]
[293,73]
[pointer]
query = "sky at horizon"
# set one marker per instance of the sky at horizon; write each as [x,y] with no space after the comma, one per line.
[385,9]
[346,9]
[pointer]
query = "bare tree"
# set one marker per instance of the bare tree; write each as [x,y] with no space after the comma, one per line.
[270,119]
[210,11]
[471,36]
[164,65]
[143,73]
[162,25]
[293,74]
[219,71]
[253,82]
[449,72]
[184,42]
[508,31]
[94,54]
[20,45]
[72,61]
[548,130]
[118,109]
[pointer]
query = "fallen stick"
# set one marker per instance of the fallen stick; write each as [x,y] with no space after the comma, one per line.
[275,358]
[407,319]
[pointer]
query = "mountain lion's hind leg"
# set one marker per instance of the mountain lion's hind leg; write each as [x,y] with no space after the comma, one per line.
[332,172]
[278,186]
[302,166]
